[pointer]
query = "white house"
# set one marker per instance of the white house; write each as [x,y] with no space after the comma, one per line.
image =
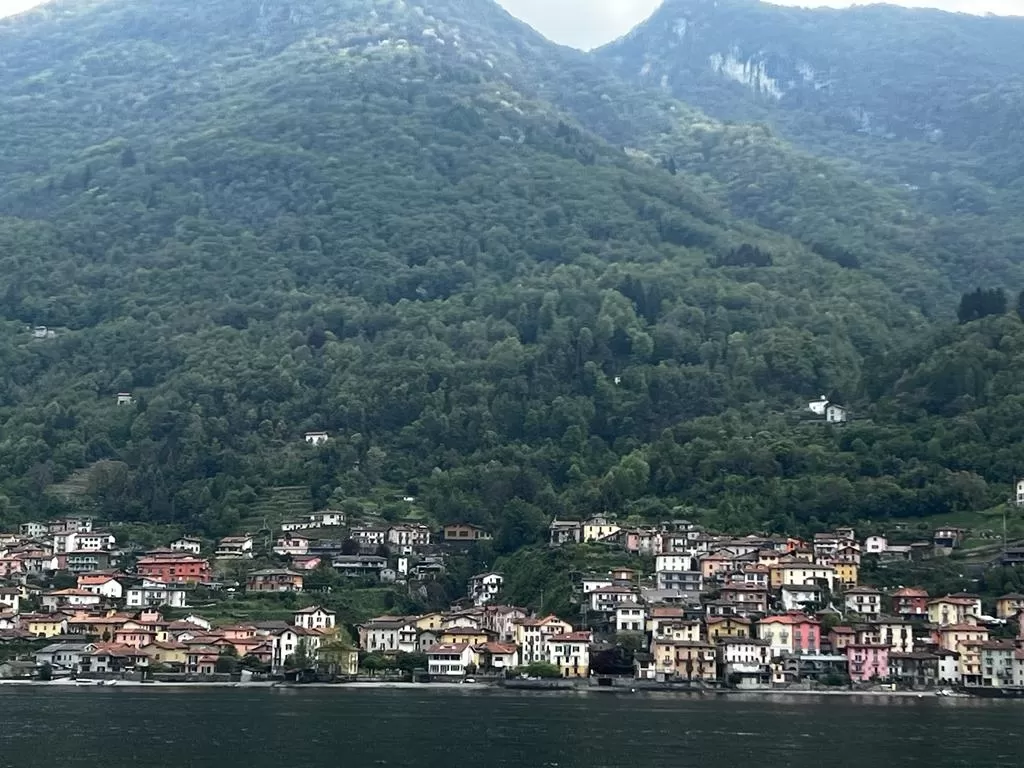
[316,438]
[1020,493]
[69,598]
[590,583]
[833,412]
[389,634]
[328,518]
[285,643]
[795,597]
[299,525]
[746,661]
[10,600]
[65,656]
[875,545]
[102,585]
[606,599]
[152,593]
[836,414]
[949,667]
[484,587]
[314,617]
[189,544]
[408,536]
[676,562]
[630,617]
[449,659]
[864,601]
[125,398]
[570,652]
[93,541]
[32,530]
[234,547]
[291,545]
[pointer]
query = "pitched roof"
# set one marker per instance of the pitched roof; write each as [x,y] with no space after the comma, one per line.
[447,648]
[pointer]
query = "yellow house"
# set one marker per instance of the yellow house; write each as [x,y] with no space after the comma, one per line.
[728,626]
[684,660]
[768,557]
[596,528]
[429,621]
[689,631]
[465,635]
[961,638]
[171,654]
[42,625]
[801,573]
[570,653]
[1008,606]
[953,610]
[846,573]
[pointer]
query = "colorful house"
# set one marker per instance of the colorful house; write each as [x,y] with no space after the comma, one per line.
[174,567]
[791,633]
[570,652]
[721,627]
[274,580]
[867,663]
[910,601]
[953,610]
[1008,606]
[684,660]
[847,572]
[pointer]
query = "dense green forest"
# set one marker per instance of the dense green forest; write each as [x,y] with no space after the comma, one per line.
[503,280]
[927,103]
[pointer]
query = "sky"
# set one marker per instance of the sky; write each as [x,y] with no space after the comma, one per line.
[589,23]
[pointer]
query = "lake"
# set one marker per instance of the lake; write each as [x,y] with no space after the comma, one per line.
[48,727]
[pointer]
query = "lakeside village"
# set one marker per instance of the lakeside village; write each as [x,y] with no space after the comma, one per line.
[756,612]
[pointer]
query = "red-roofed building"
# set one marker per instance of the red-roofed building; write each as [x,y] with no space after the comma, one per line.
[910,601]
[174,567]
[570,652]
[450,659]
[495,657]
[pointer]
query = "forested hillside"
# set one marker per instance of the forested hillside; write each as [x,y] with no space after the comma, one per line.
[500,278]
[926,102]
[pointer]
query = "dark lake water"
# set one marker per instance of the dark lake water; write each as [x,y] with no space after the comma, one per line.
[227,728]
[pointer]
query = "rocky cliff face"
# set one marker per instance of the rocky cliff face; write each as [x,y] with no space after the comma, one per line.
[881,71]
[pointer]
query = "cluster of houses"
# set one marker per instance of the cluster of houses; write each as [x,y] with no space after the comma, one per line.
[111,643]
[685,537]
[390,553]
[491,639]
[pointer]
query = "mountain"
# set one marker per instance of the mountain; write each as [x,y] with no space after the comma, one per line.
[918,100]
[503,279]
[866,81]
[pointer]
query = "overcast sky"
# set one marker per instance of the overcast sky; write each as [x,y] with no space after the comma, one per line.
[588,23]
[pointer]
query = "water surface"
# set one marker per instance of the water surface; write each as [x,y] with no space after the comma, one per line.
[49,727]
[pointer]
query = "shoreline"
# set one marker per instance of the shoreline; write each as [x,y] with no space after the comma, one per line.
[486,687]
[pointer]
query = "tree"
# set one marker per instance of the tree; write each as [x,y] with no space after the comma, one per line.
[301,658]
[542,669]
[981,303]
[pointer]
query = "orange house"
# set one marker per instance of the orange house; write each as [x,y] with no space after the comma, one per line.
[174,568]
[274,580]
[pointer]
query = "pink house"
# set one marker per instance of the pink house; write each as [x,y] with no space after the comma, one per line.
[790,633]
[867,662]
